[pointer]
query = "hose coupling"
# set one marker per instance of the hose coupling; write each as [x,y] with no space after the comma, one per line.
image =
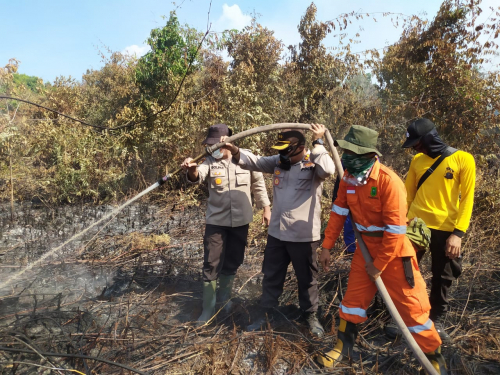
[164,179]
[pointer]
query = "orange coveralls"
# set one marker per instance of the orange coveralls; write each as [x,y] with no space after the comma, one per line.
[379,209]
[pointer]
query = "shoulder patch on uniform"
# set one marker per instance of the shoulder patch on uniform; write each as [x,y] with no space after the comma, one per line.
[307,166]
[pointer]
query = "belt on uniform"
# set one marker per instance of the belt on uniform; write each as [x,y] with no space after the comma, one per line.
[373,234]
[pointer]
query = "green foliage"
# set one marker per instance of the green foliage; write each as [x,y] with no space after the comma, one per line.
[431,71]
[172,50]
[31,82]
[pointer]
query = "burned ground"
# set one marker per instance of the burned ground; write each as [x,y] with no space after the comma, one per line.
[129,294]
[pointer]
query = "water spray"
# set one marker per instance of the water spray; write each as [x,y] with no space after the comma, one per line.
[54,250]
[424,361]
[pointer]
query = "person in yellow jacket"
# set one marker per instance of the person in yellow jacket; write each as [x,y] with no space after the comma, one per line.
[375,197]
[444,201]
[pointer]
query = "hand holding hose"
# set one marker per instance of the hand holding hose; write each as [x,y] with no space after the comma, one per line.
[234,150]
[318,131]
[191,168]
[229,146]
[372,271]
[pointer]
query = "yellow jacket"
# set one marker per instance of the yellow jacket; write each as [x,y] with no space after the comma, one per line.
[445,199]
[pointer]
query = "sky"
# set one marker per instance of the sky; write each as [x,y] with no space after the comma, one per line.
[53,38]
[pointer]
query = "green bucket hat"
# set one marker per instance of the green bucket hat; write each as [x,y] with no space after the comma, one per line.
[360,140]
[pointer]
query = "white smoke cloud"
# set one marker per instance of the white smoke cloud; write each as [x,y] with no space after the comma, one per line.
[232,18]
[135,50]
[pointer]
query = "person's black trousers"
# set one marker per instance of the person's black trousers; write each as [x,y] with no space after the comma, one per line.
[224,250]
[277,257]
[444,271]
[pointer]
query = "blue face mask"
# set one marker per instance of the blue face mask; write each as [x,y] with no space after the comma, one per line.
[217,154]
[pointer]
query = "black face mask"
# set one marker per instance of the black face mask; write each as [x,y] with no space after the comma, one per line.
[432,144]
[285,156]
[284,163]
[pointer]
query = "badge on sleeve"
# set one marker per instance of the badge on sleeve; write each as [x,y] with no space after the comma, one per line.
[276,181]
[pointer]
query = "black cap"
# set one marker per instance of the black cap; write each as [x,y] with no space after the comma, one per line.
[417,130]
[286,134]
[215,132]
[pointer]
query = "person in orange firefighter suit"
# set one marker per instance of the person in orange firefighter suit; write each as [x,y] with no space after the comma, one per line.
[376,199]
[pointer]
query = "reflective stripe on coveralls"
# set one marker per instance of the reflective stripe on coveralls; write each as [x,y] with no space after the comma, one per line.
[340,211]
[383,291]
[397,229]
[422,327]
[380,206]
[412,303]
[353,311]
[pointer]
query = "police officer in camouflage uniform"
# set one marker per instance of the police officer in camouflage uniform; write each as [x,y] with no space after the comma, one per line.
[229,212]
[294,231]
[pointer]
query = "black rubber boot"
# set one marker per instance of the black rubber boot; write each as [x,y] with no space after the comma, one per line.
[315,326]
[439,325]
[391,330]
[346,337]
[261,319]
[437,361]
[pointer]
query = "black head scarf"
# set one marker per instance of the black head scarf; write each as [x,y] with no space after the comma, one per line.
[433,144]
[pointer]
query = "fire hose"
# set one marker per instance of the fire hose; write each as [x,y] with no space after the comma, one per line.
[378,282]
[424,361]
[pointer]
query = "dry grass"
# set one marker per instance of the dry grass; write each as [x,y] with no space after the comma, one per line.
[132,298]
